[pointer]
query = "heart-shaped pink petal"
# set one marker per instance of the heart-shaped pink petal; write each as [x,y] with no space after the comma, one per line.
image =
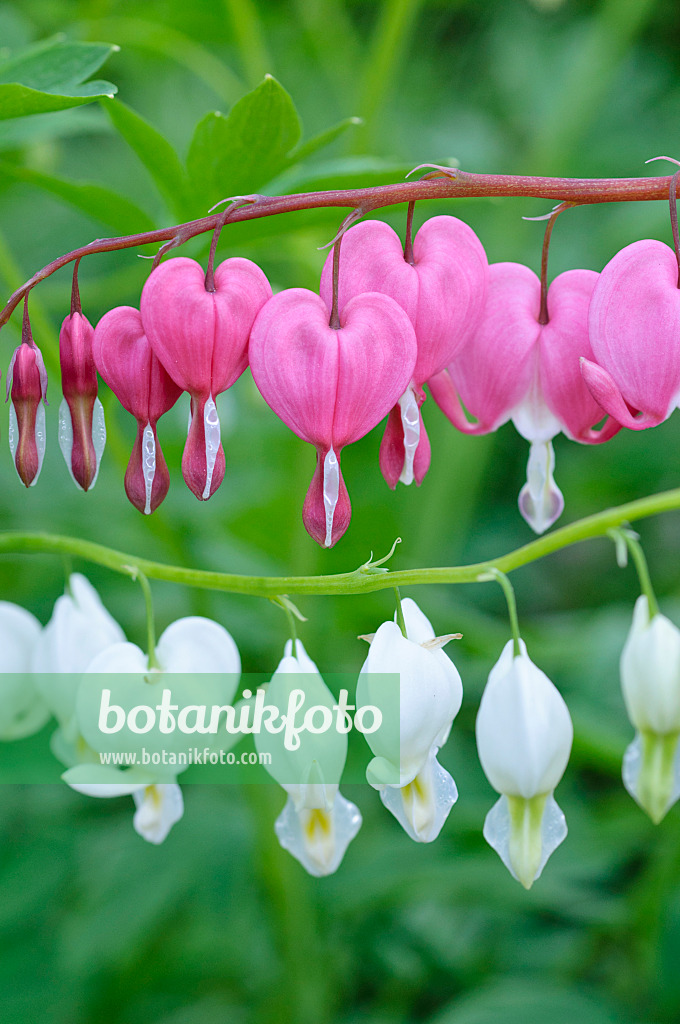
[201,337]
[442,291]
[635,330]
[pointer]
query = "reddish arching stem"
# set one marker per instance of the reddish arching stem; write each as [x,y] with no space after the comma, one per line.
[543,317]
[674,218]
[75,291]
[26,333]
[408,241]
[334,321]
[455,184]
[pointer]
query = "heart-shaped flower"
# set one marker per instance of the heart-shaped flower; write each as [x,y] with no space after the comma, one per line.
[201,338]
[441,286]
[516,368]
[331,385]
[127,363]
[82,431]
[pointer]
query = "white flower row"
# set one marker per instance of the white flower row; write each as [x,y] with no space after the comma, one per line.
[524,731]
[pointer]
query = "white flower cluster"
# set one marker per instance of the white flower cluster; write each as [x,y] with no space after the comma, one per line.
[524,731]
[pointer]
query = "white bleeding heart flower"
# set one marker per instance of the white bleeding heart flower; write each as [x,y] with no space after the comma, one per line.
[22,709]
[79,629]
[524,737]
[159,805]
[188,647]
[317,823]
[650,680]
[405,771]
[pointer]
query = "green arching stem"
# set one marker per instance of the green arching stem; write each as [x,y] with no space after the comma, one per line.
[400,614]
[638,555]
[500,577]
[362,580]
[135,573]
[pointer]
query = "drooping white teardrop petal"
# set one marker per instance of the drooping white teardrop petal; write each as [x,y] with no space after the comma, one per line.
[651,772]
[331,491]
[148,466]
[524,833]
[211,423]
[317,838]
[540,500]
[410,422]
[159,807]
[422,807]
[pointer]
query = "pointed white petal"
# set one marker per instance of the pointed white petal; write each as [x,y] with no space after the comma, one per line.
[422,807]
[524,833]
[317,838]
[159,807]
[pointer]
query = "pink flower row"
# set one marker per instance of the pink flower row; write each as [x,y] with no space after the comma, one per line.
[610,344]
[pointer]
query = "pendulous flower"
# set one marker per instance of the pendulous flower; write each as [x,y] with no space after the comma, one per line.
[524,736]
[405,771]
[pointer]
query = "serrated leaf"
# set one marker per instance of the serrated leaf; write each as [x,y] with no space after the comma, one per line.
[124,216]
[239,153]
[155,152]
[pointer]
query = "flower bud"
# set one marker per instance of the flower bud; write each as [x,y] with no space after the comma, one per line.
[82,432]
[524,736]
[27,385]
[650,680]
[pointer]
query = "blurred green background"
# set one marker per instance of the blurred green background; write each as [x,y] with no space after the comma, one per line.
[218,924]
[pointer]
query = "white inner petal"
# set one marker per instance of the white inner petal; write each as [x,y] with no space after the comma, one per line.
[148,465]
[211,424]
[39,440]
[13,433]
[65,436]
[98,436]
[540,500]
[331,490]
[410,422]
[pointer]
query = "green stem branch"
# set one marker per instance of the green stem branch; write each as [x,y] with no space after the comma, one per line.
[361,581]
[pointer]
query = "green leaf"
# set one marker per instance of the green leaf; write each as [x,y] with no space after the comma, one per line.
[51,76]
[18,101]
[239,153]
[58,124]
[343,173]
[323,139]
[124,216]
[155,152]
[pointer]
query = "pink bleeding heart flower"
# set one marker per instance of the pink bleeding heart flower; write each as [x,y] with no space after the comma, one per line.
[27,386]
[331,386]
[517,368]
[635,336]
[441,287]
[201,338]
[125,360]
[82,432]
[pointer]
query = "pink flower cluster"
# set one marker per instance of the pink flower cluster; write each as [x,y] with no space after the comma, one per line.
[333,365]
